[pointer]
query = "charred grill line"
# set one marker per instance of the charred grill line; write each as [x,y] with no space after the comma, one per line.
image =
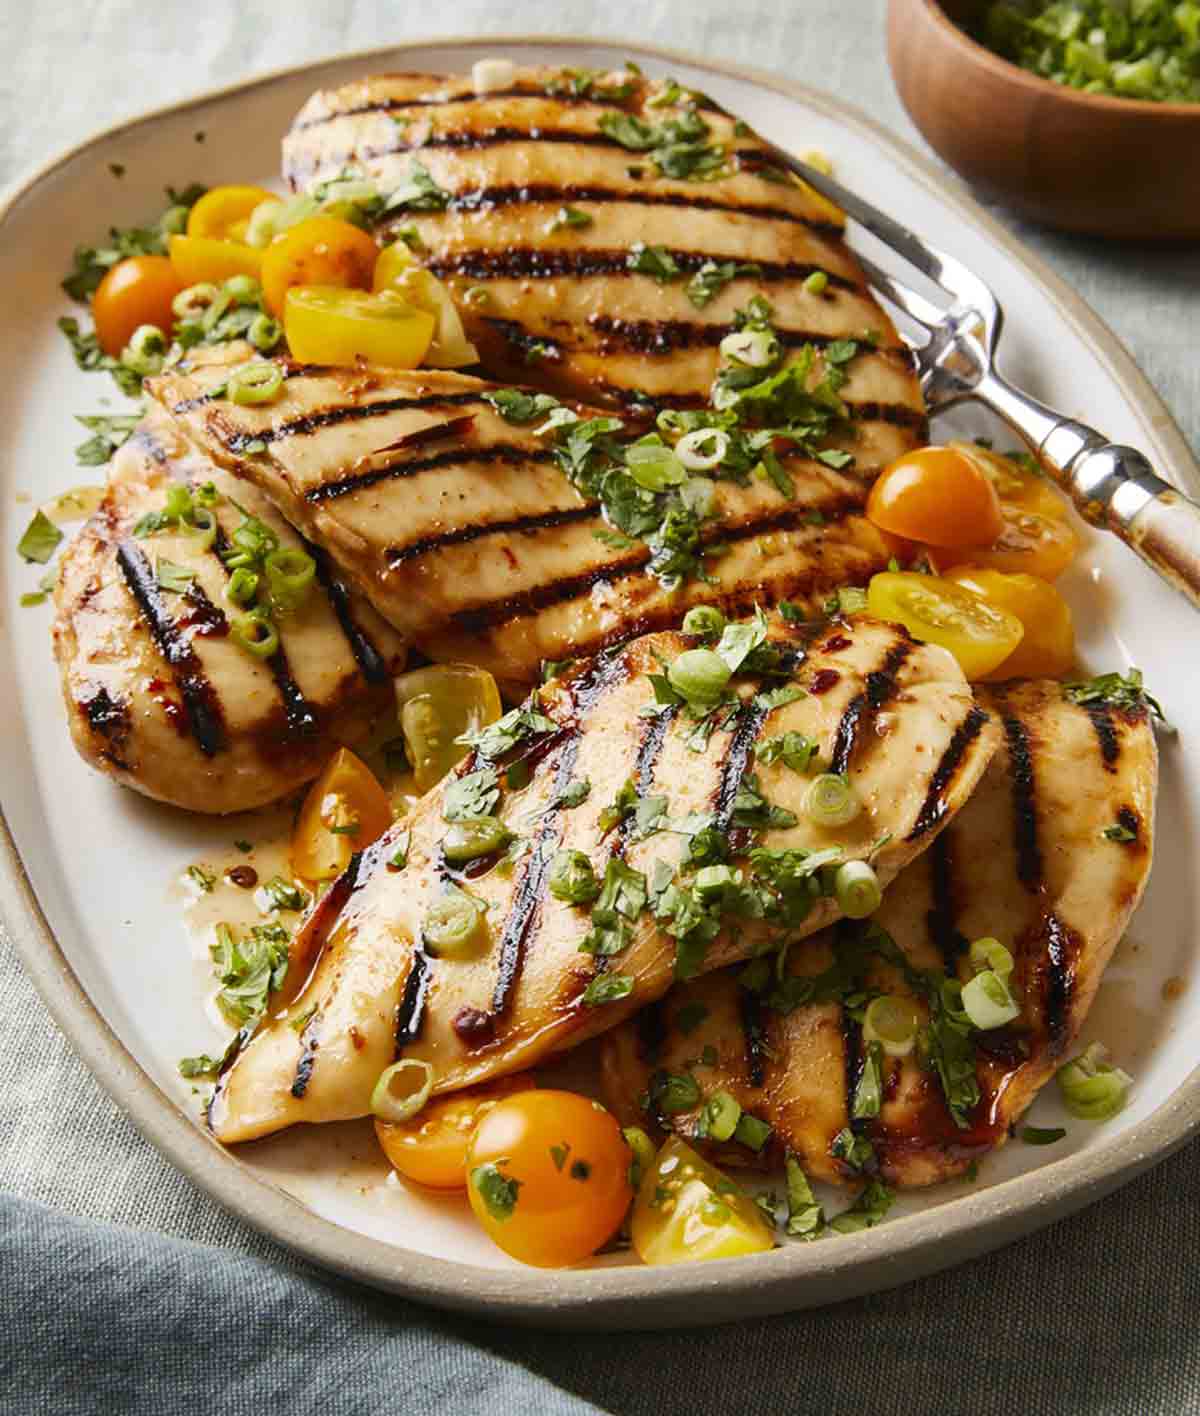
[1058,981]
[305,423]
[479,618]
[1106,733]
[487,198]
[934,806]
[1024,803]
[532,263]
[665,336]
[587,687]
[750,1010]
[750,720]
[651,1025]
[863,707]
[508,453]
[411,1012]
[653,735]
[940,920]
[370,661]
[517,525]
[110,719]
[899,415]
[288,370]
[310,1044]
[199,697]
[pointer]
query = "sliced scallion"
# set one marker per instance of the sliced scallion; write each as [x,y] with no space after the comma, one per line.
[402,1090]
[255,633]
[704,621]
[721,1116]
[1092,1089]
[290,575]
[700,676]
[702,449]
[831,800]
[255,383]
[858,890]
[473,839]
[892,1022]
[989,953]
[987,1001]
[454,925]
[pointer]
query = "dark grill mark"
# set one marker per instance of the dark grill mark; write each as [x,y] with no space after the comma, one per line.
[651,1026]
[750,720]
[370,661]
[586,688]
[309,1046]
[666,336]
[934,807]
[106,715]
[855,1060]
[433,432]
[754,1030]
[411,1012]
[549,263]
[487,198]
[200,699]
[900,415]
[864,707]
[1106,733]
[940,921]
[1132,822]
[480,618]
[1024,803]
[517,525]
[1060,945]
[189,405]
[203,618]
[508,453]
[305,423]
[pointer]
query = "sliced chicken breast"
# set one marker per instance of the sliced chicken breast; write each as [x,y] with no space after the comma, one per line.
[465,533]
[366,984]
[158,695]
[1050,857]
[605,229]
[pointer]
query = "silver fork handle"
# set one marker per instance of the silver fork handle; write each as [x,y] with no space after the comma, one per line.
[1112,486]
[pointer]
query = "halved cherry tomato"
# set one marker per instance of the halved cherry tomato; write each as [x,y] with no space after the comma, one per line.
[1029,544]
[1047,649]
[319,251]
[327,324]
[938,496]
[223,212]
[548,1176]
[437,705]
[205,260]
[1016,486]
[345,810]
[979,635]
[432,1148]
[397,270]
[687,1210]
[135,292]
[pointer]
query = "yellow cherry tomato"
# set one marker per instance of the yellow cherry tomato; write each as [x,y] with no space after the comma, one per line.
[397,270]
[327,324]
[206,260]
[548,1176]
[979,635]
[938,496]
[1014,485]
[432,1148]
[687,1210]
[437,705]
[1047,648]
[320,251]
[224,212]
[1030,544]
[135,292]
[345,810]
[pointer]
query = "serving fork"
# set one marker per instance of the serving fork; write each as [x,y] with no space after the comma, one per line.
[954,338]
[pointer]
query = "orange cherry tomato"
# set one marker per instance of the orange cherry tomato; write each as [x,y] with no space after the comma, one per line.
[319,251]
[135,292]
[432,1148]
[202,260]
[1029,544]
[1047,648]
[224,212]
[1014,485]
[936,495]
[345,810]
[548,1176]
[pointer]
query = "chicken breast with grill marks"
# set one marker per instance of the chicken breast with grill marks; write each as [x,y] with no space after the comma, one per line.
[157,693]
[465,534]
[363,988]
[619,268]
[1032,860]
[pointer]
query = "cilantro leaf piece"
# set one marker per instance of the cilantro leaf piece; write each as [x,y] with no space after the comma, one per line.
[1119,832]
[713,277]
[499,1192]
[1124,691]
[606,988]
[249,969]
[172,577]
[672,1093]
[40,539]
[204,880]
[500,737]
[419,193]
[109,431]
[473,795]
[867,1211]
[518,405]
[567,218]
[856,1152]
[628,130]
[793,749]
[623,804]
[752,1132]
[805,1218]
[655,261]
[284,894]
[868,1094]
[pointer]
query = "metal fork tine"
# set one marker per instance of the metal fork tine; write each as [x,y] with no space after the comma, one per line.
[918,309]
[904,242]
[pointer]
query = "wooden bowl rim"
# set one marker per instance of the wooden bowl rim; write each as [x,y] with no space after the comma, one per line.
[1013,73]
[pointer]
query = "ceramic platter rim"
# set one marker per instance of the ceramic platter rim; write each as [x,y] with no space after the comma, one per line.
[792,1277]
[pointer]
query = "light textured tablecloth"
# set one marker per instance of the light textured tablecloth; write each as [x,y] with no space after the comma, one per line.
[1097,1315]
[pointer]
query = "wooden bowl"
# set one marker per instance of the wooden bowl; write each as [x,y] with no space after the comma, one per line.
[1084,162]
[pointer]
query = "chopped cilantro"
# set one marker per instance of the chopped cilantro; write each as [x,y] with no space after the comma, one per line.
[500,737]
[497,1190]
[606,988]
[40,539]
[109,432]
[419,193]
[655,261]
[203,879]
[868,1210]
[1118,832]
[249,969]
[473,795]
[713,277]
[1123,691]
[284,894]
[752,1132]
[805,1218]
[793,749]
[857,1152]
[566,218]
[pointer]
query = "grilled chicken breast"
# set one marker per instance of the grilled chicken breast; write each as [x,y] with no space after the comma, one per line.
[895,715]
[1026,861]
[463,532]
[157,694]
[563,243]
